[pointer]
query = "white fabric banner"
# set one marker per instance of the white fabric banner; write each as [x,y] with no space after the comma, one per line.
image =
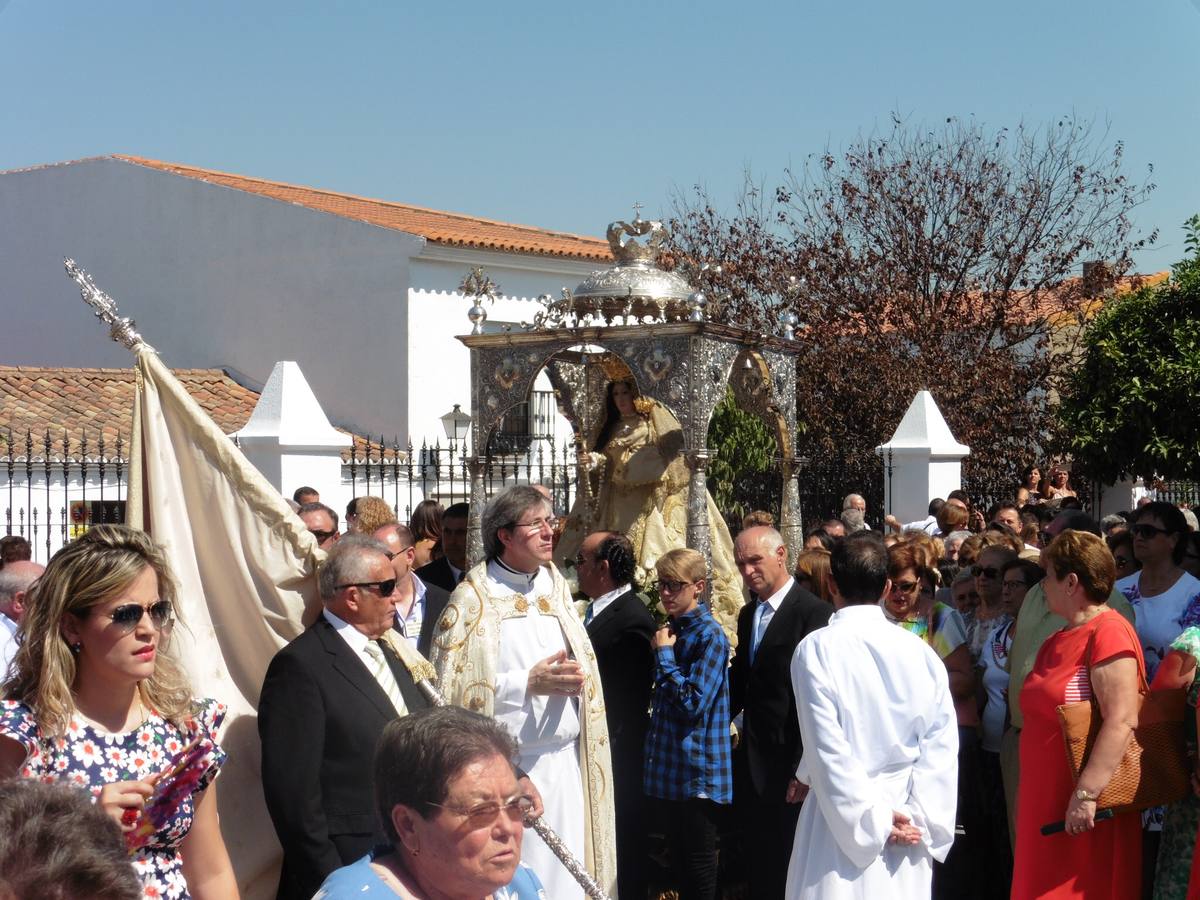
[246,567]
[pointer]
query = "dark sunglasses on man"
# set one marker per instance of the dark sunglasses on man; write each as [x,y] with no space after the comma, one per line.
[385,587]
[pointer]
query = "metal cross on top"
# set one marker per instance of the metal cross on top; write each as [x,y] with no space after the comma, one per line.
[637,210]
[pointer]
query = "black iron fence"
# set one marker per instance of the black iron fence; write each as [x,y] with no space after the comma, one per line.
[406,476]
[54,490]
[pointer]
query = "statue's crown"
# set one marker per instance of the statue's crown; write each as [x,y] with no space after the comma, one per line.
[630,251]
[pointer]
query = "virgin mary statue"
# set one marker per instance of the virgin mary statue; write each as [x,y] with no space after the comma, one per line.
[643,491]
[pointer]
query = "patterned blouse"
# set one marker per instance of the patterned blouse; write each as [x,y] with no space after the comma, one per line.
[90,758]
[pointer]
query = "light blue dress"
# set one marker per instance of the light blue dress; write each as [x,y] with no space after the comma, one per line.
[359,880]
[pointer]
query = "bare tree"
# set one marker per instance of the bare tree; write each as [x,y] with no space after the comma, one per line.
[946,259]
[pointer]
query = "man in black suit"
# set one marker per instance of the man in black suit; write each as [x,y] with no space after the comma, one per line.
[766,794]
[327,696]
[620,628]
[418,604]
[447,570]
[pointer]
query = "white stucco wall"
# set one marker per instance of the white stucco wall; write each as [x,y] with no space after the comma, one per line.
[214,277]
[440,373]
[220,278]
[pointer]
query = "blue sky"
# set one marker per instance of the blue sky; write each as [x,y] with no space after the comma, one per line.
[562,114]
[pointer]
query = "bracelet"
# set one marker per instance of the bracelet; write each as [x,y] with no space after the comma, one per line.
[1081,794]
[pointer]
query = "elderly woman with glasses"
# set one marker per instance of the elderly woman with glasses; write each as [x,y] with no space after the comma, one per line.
[95,699]
[455,832]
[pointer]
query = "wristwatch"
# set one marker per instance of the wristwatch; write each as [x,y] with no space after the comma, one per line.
[1081,794]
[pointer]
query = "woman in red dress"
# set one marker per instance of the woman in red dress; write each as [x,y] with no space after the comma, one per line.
[1089,859]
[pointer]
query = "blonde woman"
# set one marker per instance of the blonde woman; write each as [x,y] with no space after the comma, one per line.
[94,699]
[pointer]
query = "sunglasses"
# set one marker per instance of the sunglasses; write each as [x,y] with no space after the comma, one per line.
[986,572]
[322,536]
[385,587]
[671,587]
[1146,532]
[906,587]
[128,616]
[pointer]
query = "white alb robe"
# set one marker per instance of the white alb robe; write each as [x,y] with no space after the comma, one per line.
[546,728]
[880,734]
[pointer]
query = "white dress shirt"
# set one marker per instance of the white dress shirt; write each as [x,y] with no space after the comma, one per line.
[601,603]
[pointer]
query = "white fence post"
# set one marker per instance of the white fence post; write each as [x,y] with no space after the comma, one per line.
[925,459]
[289,439]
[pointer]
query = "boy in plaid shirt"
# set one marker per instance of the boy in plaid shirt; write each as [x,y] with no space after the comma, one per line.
[688,754]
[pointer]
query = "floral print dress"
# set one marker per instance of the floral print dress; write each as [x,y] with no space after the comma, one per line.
[90,758]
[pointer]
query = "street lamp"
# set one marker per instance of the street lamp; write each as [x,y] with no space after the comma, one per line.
[456,423]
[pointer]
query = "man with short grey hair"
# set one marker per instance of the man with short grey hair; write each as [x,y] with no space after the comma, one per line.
[511,645]
[326,699]
[15,580]
[766,795]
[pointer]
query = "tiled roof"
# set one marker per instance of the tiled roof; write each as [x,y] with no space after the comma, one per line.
[91,403]
[451,229]
[95,402]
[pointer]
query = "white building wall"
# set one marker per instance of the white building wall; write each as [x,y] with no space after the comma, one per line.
[440,367]
[221,278]
[214,277]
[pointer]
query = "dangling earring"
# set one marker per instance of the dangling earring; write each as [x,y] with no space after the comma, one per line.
[76,647]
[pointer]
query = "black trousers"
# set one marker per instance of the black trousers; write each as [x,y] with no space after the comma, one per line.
[691,827]
[768,832]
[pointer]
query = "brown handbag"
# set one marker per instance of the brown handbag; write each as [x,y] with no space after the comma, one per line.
[1155,769]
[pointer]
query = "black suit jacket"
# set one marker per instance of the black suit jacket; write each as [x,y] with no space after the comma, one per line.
[621,635]
[319,717]
[436,599]
[770,747]
[439,574]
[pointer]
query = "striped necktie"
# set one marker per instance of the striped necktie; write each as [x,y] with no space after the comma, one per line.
[377,663]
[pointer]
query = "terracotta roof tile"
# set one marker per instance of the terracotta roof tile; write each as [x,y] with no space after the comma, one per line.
[96,404]
[451,229]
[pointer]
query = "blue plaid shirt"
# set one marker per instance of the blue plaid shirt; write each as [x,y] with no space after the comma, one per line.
[688,752]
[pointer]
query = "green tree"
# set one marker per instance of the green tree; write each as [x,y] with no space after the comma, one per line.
[1130,407]
[741,474]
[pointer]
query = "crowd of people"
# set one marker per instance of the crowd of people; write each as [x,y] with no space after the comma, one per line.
[880,719]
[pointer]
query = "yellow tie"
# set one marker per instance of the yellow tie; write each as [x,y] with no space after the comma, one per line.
[382,672]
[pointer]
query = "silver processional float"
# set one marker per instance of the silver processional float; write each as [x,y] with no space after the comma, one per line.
[121,330]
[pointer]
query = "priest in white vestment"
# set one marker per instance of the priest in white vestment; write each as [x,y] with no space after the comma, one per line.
[510,644]
[880,746]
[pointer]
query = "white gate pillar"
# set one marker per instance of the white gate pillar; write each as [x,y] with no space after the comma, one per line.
[925,461]
[289,439]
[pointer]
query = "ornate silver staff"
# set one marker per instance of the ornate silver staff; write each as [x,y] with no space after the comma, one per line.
[423,674]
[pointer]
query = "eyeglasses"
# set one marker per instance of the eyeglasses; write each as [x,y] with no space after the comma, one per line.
[672,587]
[906,587]
[1146,531]
[385,587]
[550,522]
[986,572]
[1014,585]
[322,536]
[485,813]
[580,559]
[128,616]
